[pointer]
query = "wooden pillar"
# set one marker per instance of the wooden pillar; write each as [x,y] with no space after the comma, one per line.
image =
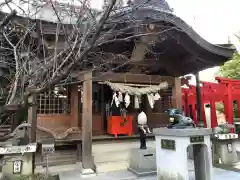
[204,115]
[75,106]
[238,107]
[177,94]
[32,116]
[32,119]
[15,120]
[230,105]
[225,104]
[198,101]
[87,159]
[214,122]
[194,115]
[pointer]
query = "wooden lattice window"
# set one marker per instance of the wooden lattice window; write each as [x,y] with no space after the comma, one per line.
[54,101]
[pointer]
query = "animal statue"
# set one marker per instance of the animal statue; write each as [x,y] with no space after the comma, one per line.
[179,121]
[223,129]
[21,137]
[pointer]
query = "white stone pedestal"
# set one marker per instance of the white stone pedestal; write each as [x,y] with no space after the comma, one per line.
[142,162]
[17,160]
[225,149]
[171,153]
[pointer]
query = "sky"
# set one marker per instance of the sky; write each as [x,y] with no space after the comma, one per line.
[215,20]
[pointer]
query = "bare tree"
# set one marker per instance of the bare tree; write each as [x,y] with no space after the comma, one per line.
[31,63]
[78,30]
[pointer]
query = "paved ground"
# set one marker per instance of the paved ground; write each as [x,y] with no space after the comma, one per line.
[72,172]
[112,161]
[219,174]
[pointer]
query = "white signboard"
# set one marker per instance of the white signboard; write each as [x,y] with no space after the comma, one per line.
[48,149]
[19,149]
[17,167]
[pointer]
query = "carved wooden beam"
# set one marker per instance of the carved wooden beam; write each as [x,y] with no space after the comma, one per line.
[140,47]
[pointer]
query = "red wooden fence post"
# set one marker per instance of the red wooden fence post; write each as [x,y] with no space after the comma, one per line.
[214,122]
[225,103]
[230,104]
[238,106]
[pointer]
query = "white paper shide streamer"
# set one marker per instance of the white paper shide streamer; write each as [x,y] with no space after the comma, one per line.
[127,100]
[115,100]
[151,92]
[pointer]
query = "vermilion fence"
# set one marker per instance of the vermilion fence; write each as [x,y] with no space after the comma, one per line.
[225,91]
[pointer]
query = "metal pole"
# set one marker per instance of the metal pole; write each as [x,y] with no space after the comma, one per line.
[47,165]
[198,101]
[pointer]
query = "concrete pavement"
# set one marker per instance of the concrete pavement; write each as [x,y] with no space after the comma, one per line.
[219,174]
[112,161]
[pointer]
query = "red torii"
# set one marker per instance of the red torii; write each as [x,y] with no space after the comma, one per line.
[226,90]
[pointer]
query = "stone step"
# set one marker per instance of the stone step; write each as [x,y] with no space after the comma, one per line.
[111,157]
[5,131]
[57,163]
[103,153]
[58,158]
[5,126]
[111,166]
[63,158]
[108,147]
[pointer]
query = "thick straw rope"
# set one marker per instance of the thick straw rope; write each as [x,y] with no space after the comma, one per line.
[123,88]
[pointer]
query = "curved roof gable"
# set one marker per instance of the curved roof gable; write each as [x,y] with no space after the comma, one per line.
[161,4]
[156,13]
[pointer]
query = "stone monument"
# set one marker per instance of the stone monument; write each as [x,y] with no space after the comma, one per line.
[224,145]
[142,161]
[17,160]
[179,121]
[171,153]
[17,157]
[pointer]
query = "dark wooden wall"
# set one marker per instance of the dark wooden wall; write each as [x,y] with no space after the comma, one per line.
[156,116]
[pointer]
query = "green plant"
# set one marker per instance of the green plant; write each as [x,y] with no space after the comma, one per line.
[220,108]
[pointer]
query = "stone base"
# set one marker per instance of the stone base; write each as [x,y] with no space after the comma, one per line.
[190,152]
[221,148]
[142,162]
[25,161]
[87,173]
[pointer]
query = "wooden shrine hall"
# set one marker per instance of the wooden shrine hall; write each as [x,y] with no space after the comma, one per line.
[176,51]
[172,49]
